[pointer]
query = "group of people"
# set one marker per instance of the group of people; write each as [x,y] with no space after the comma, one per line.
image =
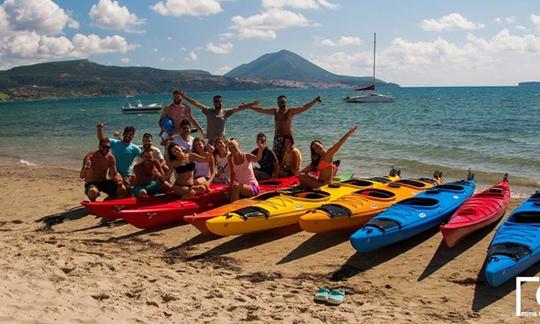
[190,165]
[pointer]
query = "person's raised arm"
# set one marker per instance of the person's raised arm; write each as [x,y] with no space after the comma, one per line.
[243,106]
[100,134]
[199,158]
[113,174]
[267,111]
[305,107]
[196,123]
[197,104]
[331,151]
[212,164]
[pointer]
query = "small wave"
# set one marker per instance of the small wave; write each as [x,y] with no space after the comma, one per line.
[27,163]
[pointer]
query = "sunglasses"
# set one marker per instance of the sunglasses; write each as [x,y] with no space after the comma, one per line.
[105,147]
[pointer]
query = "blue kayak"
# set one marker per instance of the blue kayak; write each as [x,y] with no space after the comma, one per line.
[516,244]
[412,216]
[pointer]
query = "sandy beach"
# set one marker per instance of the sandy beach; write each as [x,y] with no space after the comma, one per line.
[61,264]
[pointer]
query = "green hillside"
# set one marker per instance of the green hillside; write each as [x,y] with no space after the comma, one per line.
[286,65]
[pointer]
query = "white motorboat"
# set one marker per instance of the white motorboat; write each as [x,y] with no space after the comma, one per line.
[371,95]
[139,108]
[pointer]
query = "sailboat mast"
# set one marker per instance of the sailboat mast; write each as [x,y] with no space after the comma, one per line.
[374,46]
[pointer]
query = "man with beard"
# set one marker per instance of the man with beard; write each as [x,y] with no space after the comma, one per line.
[96,167]
[216,118]
[173,114]
[148,175]
[123,150]
[148,145]
[283,121]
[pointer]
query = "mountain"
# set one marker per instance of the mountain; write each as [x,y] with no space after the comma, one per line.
[286,65]
[83,78]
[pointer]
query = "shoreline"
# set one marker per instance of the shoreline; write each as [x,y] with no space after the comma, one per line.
[62,264]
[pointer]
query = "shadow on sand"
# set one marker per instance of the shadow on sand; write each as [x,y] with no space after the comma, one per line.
[361,262]
[316,243]
[58,218]
[247,241]
[444,254]
[485,295]
[196,240]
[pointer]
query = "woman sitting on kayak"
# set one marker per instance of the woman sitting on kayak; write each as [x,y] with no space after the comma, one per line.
[321,161]
[243,181]
[183,164]
[221,158]
[204,171]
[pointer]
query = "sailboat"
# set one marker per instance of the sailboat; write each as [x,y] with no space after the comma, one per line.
[371,96]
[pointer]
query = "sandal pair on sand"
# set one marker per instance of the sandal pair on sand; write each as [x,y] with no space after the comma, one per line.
[332,297]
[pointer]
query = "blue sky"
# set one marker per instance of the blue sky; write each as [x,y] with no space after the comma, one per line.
[419,43]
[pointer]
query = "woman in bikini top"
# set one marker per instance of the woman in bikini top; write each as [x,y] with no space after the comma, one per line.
[183,165]
[321,161]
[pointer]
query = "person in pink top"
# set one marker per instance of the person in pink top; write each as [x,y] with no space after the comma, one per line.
[243,181]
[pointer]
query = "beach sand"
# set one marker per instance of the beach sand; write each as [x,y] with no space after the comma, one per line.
[67,267]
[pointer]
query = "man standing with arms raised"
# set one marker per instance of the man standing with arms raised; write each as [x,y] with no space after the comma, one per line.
[173,114]
[216,118]
[283,121]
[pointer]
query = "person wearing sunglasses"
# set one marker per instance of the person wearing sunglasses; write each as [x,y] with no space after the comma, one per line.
[99,173]
[283,121]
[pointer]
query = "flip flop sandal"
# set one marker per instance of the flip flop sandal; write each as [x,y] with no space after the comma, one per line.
[336,297]
[322,294]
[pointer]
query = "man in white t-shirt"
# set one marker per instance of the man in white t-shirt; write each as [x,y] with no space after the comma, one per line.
[148,144]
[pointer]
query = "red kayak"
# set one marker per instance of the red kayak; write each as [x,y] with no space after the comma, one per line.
[108,208]
[480,210]
[173,212]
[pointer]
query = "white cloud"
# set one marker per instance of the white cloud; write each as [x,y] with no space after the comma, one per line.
[298,4]
[520,27]
[93,44]
[193,56]
[223,48]
[224,36]
[40,16]
[343,41]
[265,24]
[223,70]
[156,50]
[108,14]
[453,21]
[535,20]
[125,60]
[509,20]
[187,7]
[30,35]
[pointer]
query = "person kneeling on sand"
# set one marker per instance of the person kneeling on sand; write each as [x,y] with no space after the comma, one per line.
[184,167]
[321,161]
[148,176]
[243,181]
[96,167]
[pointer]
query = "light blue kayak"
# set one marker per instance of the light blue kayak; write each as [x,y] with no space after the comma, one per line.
[516,244]
[412,216]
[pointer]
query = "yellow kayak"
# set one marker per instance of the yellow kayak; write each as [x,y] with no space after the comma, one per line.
[355,209]
[286,208]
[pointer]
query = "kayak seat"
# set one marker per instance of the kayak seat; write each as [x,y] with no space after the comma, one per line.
[376,193]
[411,183]
[527,217]
[313,194]
[514,250]
[451,187]
[250,212]
[359,183]
[415,201]
[335,210]
[429,180]
[383,224]
[267,195]
[379,179]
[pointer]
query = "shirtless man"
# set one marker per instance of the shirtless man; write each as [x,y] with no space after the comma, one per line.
[173,114]
[216,118]
[148,175]
[283,121]
[96,167]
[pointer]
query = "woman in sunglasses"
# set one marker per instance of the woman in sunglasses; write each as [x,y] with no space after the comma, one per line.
[99,173]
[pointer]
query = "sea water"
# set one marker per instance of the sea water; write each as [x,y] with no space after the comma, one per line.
[491,130]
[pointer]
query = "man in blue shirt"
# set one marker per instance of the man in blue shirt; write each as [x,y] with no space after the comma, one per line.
[123,150]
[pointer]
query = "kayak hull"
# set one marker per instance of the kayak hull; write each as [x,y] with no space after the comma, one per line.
[479,211]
